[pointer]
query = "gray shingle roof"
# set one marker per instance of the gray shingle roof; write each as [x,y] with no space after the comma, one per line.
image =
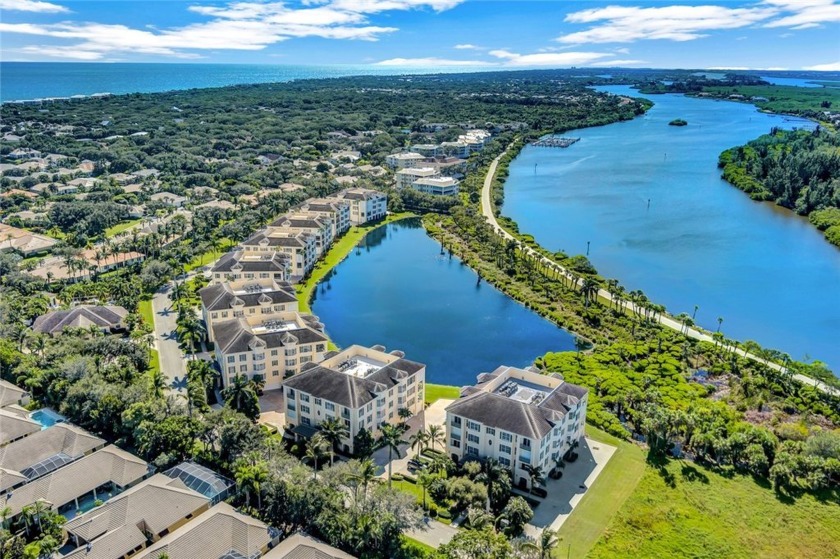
[236,336]
[273,262]
[529,420]
[275,240]
[348,390]
[301,546]
[83,316]
[10,393]
[15,425]
[221,296]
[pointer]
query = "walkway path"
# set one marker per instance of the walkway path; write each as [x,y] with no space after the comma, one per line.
[665,320]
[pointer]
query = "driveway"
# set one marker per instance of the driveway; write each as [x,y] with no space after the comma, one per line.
[433,415]
[565,493]
[436,533]
[172,361]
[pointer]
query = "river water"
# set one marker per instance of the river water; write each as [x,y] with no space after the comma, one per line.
[397,290]
[766,271]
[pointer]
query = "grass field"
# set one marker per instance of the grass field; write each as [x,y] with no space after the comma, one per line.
[688,511]
[785,99]
[435,392]
[604,499]
[209,256]
[120,227]
[144,308]
[154,360]
[336,254]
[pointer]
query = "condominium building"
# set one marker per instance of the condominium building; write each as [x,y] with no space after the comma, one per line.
[364,387]
[338,211]
[402,160]
[365,204]
[407,177]
[299,246]
[270,349]
[241,265]
[298,222]
[427,150]
[245,298]
[437,186]
[519,417]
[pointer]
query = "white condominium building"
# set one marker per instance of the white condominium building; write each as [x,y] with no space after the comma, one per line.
[365,204]
[364,387]
[241,265]
[437,186]
[407,177]
[337,211]
[300,247]
[271,348]
[245,298]
[402,160]
[519,417]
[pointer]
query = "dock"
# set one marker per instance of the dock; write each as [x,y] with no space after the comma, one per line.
[555,142]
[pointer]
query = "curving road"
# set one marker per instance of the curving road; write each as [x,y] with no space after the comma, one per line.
[665,320]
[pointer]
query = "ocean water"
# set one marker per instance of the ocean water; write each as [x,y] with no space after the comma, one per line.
[648,200]
[21,81]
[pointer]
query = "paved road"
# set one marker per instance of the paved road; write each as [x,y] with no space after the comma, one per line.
[436,534]
[172,360]
[665,320]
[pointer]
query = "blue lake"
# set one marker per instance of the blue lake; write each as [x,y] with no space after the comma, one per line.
[397,290]
[770,275]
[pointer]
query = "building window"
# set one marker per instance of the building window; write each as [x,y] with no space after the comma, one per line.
[231,359]
[473,426]
[456,421]
[305,421]
[490,431]
[304,409]
[504,461]
[456,443]
[317,401]
[472,451]
[304,397]
[506,436]
[329,406]
[504,448]
[473,438]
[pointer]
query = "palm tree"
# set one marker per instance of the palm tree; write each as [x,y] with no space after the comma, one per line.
[315,450]
[419,441]
[491,475]
[390,439]
[157,383]
[543,546]
[334,431]
[5,512]
[404,414]
[364,474]
[588,288]
[238,392]
[249,478]
[535,474]
[720,322]
[424,480]
[435,434]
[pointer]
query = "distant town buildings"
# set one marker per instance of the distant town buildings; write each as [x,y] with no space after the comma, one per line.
[519,417]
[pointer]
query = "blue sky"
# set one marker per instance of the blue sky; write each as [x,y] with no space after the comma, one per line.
[764,34]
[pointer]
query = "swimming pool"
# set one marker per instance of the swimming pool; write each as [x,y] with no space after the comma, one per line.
[46,417]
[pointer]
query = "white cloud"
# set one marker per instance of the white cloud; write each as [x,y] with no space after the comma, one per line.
[467,46]
[625,24]
[830,67]
[432,62]
[623,50]
[233,26]
[548,58]
[32,6]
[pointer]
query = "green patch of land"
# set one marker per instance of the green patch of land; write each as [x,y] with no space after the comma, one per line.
[435,392]
[209,256]
[678,122]
[144,308]
[685,510]
[336,254]
[614,485]
[120,227]
[154,360]
[806,101]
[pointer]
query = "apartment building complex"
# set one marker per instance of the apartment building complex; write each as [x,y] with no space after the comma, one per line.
[240,265]
[364,387]
[365,204]
[300,247]
[401,160]
[519,417]
[336,211]
[245,298]
[270,348]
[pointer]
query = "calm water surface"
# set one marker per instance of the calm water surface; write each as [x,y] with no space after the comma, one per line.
[397,290]
[767,272]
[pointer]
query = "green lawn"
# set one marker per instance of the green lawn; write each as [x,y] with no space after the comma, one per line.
[417,491]
[416,549]
[120,227]
[336,254]
[144,308]
[209,256]
[600,504]
[686,510]
[435,392]
[154,360]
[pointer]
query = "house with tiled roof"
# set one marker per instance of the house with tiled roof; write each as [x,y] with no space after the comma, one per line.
[15,424]
[108,318]
[12,394]
[520,417]
[302,546]
[363,387]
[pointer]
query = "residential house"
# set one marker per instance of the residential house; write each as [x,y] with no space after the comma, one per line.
[245,298]
[24,153]
[520,417]
[301,546]
[107,318]
[24,242]
[364,387]
[169,199]
[11,394]
[270,348]
[15,424]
